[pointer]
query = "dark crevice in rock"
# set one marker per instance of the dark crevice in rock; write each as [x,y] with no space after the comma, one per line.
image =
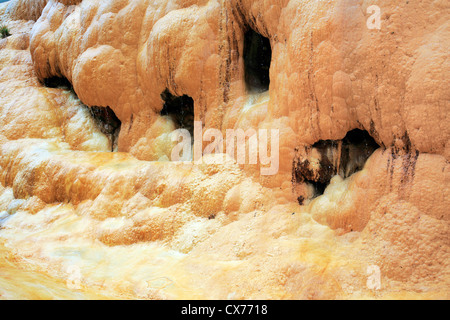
[257,58]
[108,123]
[318,164]
[104,117]
[58,82]
[357,147]
[179,109]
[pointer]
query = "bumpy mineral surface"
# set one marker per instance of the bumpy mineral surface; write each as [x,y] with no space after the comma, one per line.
[92,207]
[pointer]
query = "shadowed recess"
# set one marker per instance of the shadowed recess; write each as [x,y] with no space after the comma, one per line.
[318,164]
[179,109]
[108,123]
[104,117]
[257,58]
[58,82]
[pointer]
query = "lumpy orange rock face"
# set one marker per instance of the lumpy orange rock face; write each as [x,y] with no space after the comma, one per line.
[90,203]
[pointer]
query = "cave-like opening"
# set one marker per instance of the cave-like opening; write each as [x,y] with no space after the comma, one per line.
[180,109]
[327,158]
[104,117]
[357,146]
[108,123]
[58,82]
[257,58]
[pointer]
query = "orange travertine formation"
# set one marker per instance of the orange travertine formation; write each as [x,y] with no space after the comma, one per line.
[135,225]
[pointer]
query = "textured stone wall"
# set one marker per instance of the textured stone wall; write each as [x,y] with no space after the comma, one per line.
[329,73]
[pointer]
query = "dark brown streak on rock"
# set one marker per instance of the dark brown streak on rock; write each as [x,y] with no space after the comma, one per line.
[131,123]
[408,165]
[240,13]
[312,88]
[226,91]
[393,156]
[224,53]
[375,99]
[374,133]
